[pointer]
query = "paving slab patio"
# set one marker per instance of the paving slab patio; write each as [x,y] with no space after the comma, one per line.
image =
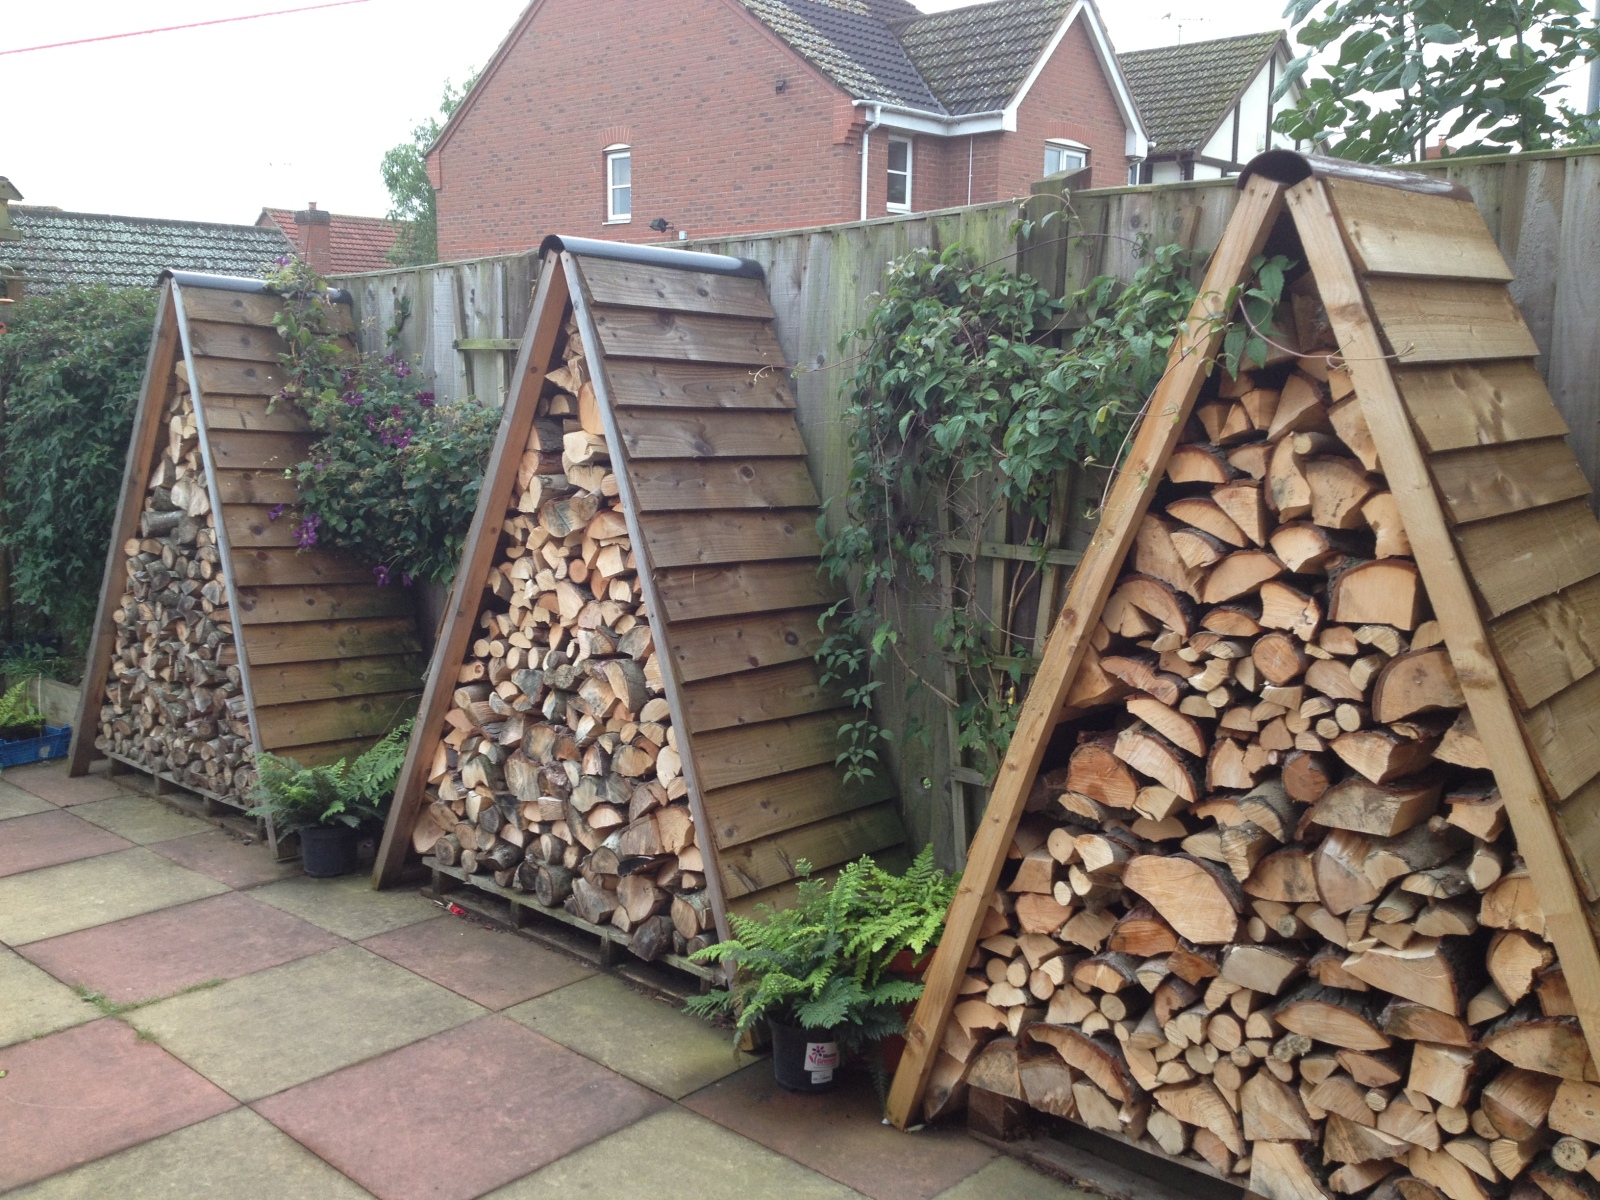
[14,802]
[56,900]
[383,1066]
[654,1043]
[511,1102]
[32,1003]
[494,967]
[163,952]
[227,859]
[86,1092]
[348,906]
[46,838]
[140,819]
[701,1161]
[237,1156]
[49,781]
[842,1136]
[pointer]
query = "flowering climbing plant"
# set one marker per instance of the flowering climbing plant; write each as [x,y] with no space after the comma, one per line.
[393,476]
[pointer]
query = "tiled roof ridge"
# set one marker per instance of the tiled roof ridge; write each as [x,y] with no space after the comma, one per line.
[1266,35]
[338,216]
[46,210]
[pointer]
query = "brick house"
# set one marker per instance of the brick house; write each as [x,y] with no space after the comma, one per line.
[702,117]
[334,243]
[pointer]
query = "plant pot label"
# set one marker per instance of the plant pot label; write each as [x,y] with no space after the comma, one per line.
[821,1060]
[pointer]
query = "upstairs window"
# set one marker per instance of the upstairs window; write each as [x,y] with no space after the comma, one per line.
[619,184]
[899,175]
[1064,156]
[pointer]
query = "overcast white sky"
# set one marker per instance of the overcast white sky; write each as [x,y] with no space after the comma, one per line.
[215,123]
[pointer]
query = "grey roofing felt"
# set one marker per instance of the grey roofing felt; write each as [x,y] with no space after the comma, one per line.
[67,247]
[975,58]
[966,60]
[1183,92]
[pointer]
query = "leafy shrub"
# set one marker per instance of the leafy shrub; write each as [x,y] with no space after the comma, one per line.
[823,963]
[297,797]
[71,365]
[18,716]
[393,477]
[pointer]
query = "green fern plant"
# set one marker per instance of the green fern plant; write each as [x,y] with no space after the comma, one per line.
[297,797]
[17,713]
[823,962]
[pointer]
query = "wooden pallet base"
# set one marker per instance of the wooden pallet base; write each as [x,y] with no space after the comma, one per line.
[604,945]
[211,805]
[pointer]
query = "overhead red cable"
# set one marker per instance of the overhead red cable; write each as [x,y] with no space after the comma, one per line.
[111,37]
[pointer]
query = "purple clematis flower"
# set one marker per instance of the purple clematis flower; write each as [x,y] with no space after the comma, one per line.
[276,511]
[305,533]
[381,574]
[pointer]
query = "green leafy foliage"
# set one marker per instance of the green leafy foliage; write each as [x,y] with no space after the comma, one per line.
[17,712]
[823,962]
[411,199]
[1395,74]
[32,659]
[357,794]
[393,477]
[71,365]
[969,400]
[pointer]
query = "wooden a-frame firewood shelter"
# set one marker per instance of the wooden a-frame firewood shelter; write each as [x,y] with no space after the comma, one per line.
[1463,430]
[216,636]
[623,711]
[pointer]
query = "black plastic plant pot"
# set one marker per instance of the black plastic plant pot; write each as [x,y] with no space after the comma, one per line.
[327,850]
[804,1060]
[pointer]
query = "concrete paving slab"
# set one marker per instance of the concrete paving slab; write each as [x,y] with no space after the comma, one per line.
[492,966]
[675,1155]
[511,1101]
[348,906]
[648,1040]
[282,1026]
[237,1156]
[841,1134]
[14,802]
[162,952]
[1007,1179]
[46,838]
[32,1003]
[49,781]
[227,859]
[139,819]
[81,1094]
[92,891]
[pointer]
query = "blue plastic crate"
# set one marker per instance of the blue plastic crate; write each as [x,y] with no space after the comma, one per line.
[53,744]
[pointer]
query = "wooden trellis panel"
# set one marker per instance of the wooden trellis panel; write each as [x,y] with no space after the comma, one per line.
[721,514]
[1489,494]
[328,660]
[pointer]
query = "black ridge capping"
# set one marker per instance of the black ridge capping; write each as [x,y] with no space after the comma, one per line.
[655,256]
[235,283]
[1289,167]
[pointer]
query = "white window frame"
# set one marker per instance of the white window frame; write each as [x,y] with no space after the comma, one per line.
[911,157]
[613,154]
[1064,146]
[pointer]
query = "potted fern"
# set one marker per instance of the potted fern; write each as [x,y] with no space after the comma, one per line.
[329,805]
[819,972]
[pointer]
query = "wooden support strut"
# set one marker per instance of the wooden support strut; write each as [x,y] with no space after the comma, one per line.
[1169,409]
[495,496]
[1482,684]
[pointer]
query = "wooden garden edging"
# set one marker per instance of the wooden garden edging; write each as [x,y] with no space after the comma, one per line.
[297,652]
[655,377]
[1494,506]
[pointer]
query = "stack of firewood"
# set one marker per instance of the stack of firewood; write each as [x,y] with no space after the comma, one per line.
[1268,913]
[561,771]
[173,698]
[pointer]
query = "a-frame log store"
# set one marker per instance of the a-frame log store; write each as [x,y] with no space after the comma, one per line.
[216,636]
[1290,868]
[624,724]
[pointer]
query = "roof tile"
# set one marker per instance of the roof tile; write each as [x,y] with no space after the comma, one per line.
[1183,92]
[975,58]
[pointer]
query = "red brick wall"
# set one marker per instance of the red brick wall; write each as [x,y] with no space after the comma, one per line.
[1071,99]
[690,85]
